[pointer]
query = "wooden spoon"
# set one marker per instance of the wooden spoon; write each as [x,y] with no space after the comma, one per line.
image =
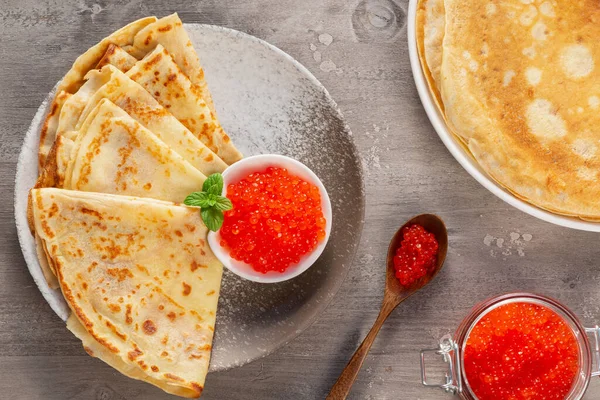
[394,294]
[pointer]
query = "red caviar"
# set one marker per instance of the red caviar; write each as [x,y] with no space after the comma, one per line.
[521,351]
[276,219]
[416,255]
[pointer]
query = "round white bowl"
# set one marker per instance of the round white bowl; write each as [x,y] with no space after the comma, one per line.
[461,155]
[241,169]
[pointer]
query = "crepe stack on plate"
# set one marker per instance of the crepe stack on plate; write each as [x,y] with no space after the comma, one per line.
[131,132]
[518,83]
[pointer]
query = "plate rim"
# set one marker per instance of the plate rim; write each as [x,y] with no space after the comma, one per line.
[61,309]
[459,153]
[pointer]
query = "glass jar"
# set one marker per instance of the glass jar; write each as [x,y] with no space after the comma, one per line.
[452,349]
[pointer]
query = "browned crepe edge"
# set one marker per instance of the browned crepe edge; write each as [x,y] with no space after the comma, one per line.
[420,37]
[107,58]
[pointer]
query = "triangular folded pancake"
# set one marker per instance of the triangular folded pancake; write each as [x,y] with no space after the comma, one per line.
[65,113]
[75,104]
[73,80]
[170,34]
[122,49]
[140,279]
[113,153]
[142,107]
[161,77]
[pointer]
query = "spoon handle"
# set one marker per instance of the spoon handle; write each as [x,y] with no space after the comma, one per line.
[342,387]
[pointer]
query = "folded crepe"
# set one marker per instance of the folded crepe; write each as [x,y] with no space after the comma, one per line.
[117,50]
[140,279]
[64,114]
[170,34]
[113,153]
[142,107]
[74,78]
[160,75]
[110,83]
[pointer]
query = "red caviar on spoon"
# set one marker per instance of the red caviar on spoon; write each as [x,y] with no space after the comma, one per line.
[395,292]
[416,256]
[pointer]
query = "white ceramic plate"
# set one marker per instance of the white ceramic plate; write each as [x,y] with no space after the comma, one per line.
[461,155]
[268,103]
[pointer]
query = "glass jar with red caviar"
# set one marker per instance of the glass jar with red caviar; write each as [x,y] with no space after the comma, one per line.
[518,346]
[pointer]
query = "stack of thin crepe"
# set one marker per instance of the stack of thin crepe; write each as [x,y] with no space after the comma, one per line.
[132,131]
[518,82]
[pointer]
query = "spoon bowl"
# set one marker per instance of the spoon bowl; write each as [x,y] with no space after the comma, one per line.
[433,224]
[394,294]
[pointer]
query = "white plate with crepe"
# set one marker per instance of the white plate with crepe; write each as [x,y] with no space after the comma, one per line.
[133,127]
[456,147]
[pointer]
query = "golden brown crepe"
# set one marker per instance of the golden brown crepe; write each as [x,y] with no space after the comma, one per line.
[133,117]
[170,34]
[110,83]
[140,279]
[520,84]
[158,73]
[142,107]
[64,114]
[113,153]
[140,38]
[73,80]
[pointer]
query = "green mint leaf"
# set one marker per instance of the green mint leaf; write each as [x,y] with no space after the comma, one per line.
[213,184]
[198,199]
[223,203]
[213,218]
[212,199]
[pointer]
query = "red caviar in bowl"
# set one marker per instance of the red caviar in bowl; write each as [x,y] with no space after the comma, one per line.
[521,351]
[416,255]
[276,219]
